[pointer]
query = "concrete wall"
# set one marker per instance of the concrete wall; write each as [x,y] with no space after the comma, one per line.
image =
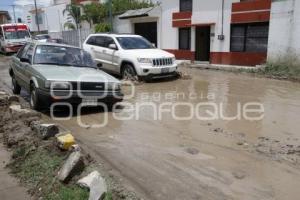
[284,29]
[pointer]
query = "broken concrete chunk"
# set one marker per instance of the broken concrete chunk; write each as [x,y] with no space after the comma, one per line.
[44,130]
[65,141]
[72,166]
[17,109]
[96,184]
[13,98]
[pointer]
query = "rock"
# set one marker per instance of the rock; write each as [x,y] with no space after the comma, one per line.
[65,141]
[184,76]
[44,130]
[3,100]
[192,150]
[17,109]
[218,130]
[239,174]
[13,98]
[96,184]
[30,120]
[72,166]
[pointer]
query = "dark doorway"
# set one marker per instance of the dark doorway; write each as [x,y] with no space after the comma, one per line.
[147,30]
[202,43]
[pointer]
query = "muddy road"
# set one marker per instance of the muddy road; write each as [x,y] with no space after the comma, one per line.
[198,159]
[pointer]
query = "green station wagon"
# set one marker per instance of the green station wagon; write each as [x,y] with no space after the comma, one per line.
[61,73]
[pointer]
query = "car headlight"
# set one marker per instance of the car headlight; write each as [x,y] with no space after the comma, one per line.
[60,85]
[145,60]
[173,60]
[113,86]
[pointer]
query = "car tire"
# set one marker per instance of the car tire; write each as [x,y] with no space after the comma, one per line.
[35,103]
[128,72]
[16,87]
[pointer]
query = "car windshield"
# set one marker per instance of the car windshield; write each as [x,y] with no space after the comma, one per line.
[60,55]
[134,43]
[16,35]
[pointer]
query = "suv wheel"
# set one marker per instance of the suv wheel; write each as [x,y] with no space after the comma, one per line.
[128,72]
[16,87]
[34,99]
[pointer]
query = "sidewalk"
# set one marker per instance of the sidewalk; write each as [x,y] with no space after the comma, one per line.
[10,188]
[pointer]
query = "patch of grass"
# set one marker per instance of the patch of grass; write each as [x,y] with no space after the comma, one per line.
[108,196]
[37,168]
[282,68]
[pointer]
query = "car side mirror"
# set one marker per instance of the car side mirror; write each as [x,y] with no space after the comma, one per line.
[113,46]
[26,60]
[153,44]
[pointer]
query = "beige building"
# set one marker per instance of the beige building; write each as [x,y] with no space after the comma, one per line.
[4,17]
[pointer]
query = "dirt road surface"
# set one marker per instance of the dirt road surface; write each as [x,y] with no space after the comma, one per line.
[196,159]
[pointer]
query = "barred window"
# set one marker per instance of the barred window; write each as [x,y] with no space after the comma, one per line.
[249,37]
[186,5]
[185,38]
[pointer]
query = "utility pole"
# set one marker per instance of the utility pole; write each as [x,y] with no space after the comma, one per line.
[13,6]
[110,16]
[36,16]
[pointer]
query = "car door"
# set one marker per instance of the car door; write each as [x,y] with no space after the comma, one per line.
[98,50]
[27,66]
[111,55]
[19,66]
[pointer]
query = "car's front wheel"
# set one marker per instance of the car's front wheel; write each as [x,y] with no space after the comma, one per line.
[34,99]
[128,72]
[16,88]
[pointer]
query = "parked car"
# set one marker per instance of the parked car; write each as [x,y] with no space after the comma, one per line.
[130,56]
[42,37]
[50,72]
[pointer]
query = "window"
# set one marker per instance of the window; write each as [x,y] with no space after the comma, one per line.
[29,53]
[185,38]
[22,52]
[186,5]
[249,37]
[103,41]
[91,41]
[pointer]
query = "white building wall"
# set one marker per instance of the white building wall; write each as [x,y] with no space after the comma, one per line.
[55,18]
[169,34]
[284,29]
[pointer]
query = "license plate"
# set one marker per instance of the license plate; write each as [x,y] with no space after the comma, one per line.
[164,70]
[89,102]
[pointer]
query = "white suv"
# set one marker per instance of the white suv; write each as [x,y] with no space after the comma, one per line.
[130,56]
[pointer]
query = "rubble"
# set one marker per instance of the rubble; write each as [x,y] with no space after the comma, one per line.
[96,184]
[184,76]
[13,98]
[44,130]
[72,166]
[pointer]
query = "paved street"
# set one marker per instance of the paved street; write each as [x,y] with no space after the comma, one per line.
[194,159]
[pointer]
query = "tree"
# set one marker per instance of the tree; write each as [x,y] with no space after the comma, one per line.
[94,13]
[120,6]
[74,11]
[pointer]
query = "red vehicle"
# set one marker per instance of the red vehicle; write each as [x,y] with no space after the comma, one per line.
[13,37]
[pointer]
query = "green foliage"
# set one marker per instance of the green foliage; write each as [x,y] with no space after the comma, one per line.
[94,13]
[102,28]
[120,6]
[74,11]
[70,26]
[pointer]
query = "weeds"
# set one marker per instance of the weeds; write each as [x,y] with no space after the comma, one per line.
[37,168]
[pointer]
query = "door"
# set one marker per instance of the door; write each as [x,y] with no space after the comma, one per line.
[202,43]
[111,55]
[19,66]
[148,30]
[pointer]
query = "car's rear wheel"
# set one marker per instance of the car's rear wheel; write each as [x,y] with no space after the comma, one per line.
[16,87]
[128,72]
[34,99]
